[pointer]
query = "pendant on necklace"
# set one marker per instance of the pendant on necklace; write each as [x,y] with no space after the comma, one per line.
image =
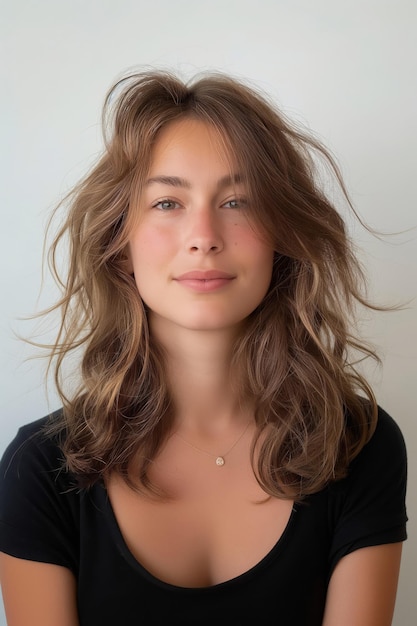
[220,461]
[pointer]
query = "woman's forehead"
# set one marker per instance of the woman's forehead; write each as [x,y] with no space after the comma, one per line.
[189,139]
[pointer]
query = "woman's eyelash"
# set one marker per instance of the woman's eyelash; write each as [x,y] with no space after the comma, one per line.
[166,204]
[236,203]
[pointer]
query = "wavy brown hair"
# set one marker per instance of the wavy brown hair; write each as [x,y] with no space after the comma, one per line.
[296,355]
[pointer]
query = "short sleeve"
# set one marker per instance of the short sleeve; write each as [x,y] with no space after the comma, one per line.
[38,512]
[368,507]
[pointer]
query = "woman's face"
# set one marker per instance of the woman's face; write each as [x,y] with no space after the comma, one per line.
[198,262]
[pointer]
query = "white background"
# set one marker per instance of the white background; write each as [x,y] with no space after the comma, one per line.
[347,69]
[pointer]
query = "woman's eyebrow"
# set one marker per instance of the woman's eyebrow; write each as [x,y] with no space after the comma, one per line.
[230,180]
[172,181]
[176,181]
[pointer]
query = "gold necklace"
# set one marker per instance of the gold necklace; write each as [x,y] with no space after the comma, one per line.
[220,459]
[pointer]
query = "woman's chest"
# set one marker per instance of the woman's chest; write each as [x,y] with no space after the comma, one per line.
[166,570]
[215,527]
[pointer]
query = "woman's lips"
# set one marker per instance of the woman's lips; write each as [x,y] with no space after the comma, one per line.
[204,280]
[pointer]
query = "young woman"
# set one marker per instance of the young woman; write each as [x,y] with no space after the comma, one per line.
[221,460]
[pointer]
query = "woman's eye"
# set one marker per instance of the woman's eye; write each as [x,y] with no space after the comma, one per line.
[166,205]
[236,203]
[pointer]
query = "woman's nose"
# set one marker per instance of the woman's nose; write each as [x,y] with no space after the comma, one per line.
[204,232]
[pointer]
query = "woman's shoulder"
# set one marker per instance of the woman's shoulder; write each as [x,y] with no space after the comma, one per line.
[39,504]
[376,481]
[34,452]
[386,445]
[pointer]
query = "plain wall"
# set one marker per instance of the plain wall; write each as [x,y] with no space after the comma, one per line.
[345,69]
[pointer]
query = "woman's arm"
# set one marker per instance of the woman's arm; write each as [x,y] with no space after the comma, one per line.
[363,587]
[39,594]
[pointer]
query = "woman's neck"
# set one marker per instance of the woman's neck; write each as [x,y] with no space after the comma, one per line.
[198,366]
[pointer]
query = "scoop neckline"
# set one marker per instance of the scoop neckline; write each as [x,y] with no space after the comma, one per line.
[133,562]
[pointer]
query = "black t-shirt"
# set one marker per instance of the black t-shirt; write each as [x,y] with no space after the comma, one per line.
[43,518]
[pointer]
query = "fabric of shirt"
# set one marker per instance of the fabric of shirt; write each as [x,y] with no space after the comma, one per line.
[44,518]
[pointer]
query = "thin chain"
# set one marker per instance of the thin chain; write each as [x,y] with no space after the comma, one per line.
[219,457]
